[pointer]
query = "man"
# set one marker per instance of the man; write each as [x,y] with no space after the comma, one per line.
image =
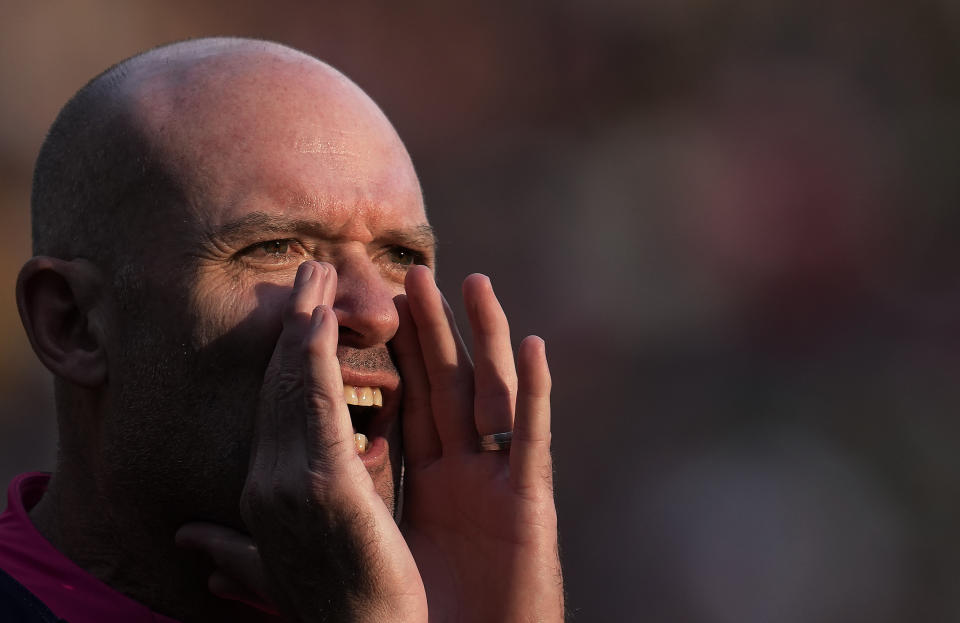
[230,248]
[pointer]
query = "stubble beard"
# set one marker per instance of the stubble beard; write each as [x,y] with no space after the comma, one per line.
[182,430]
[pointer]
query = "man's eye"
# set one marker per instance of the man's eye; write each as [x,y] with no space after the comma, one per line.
[404,256]
[275,246]
[275,250]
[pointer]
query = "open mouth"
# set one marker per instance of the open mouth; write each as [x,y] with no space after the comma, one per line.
[364,404]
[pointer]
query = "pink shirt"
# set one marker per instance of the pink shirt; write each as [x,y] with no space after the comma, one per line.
[69,591]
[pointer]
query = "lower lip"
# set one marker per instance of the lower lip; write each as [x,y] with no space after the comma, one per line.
[376,452]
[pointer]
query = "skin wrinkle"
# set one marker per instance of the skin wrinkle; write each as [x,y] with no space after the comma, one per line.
[320,146]
[335,144]
[234,233]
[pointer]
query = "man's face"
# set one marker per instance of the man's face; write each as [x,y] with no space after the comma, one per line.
[282,162]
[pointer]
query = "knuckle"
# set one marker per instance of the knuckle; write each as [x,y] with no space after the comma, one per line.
[537,443]
[538,392]
[329,456]
[314,345]
[495,372]
[320,397]
[286,382]
[330,485]
[292,315]
[500,394]
[287,497]
[432,322]
[452,381]
[495,328]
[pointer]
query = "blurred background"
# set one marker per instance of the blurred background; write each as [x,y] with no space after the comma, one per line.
[735,224]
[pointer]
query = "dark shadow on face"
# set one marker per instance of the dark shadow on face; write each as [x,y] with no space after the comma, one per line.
[188,413]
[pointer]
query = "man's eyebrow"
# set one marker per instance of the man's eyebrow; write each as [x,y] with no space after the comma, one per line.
[257,222]
[419,237]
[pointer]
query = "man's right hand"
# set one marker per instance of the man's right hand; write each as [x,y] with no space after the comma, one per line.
[324,545]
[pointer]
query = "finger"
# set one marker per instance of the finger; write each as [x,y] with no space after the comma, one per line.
[449,370]
[495,375]
[420,440]
[316,285]
[234,553]
[311,287]
[330,443]
[328,289]
[282,377]
[530,465]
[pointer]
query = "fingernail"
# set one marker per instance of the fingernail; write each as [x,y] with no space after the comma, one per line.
[303,273]
[317,318]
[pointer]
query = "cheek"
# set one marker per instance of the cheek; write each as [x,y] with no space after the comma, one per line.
[186,381]
[232,318]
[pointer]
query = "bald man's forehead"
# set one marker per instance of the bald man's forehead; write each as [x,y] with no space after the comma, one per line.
[243,99]
[248,130]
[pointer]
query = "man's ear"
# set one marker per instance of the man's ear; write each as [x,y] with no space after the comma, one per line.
[61,307]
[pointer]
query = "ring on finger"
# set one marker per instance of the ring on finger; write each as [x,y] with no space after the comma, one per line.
[496,441]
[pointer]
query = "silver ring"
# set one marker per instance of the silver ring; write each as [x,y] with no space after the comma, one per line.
[496,441]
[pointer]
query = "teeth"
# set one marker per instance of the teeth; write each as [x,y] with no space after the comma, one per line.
[361,441]
[363,396]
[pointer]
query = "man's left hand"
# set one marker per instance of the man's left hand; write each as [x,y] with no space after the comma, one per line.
[482,525]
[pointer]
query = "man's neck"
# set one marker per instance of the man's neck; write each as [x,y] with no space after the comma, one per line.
[130,550]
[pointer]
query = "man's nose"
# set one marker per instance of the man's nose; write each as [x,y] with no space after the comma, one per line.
[364,304]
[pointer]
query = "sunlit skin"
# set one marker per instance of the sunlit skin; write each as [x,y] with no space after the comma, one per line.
[300,259]
[283,180]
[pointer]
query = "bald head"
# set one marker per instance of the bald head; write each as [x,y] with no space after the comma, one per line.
[147,135]
[195,178]
[181,191]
